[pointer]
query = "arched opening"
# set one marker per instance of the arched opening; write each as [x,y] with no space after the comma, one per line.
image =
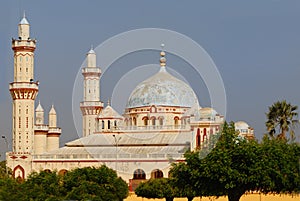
[176,120]
[198,139]
[19,173]
[108,124]
[145,119]
[139,174]
[153,121]
[102,124]
[62,172]
[47,170]
[161,121]
[126,122]
[134,121]
[157,174]
[205,141]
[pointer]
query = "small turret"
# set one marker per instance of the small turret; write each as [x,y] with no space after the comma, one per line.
[39,114]
[54,132]
[52,118]
[24,29]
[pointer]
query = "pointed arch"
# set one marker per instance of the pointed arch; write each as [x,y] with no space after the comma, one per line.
[16,172]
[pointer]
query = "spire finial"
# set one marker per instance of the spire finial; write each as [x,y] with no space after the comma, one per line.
[162,58]
[24,14]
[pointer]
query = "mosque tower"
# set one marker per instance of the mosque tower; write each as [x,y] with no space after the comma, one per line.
[23,90]
[91,105]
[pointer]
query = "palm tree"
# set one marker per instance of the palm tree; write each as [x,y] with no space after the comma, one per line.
[281,116]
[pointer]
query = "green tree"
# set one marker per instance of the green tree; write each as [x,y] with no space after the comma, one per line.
[281,116]
[10,189]
[157,188]
[92,183]
[281,166]
[180,178]
[42,186]
[237,165]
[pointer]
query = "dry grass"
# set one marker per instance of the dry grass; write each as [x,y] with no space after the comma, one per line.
[249,197]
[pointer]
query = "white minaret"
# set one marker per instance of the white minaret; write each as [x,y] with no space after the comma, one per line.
[91,105]
[23,91]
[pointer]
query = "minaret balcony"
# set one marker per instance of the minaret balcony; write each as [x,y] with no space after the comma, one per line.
[23,45]
[41,128]
[54,130]
[91,104]
[23,90]
[91,71]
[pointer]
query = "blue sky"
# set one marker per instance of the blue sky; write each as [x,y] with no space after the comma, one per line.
[254,44]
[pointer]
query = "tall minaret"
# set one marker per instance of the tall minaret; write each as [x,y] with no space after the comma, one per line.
[23,90]
[91,105]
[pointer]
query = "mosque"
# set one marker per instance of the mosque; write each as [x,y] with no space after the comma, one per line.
[162,120]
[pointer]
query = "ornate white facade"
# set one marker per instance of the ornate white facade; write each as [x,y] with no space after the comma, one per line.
[161,121]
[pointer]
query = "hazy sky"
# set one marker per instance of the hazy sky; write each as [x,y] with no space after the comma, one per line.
[254,44]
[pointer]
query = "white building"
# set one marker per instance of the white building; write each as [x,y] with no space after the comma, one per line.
[162,120]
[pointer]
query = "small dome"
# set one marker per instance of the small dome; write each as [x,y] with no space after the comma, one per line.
[39,108]
[109,112]
[52,110]
[207,113]
[24,21]
[162,89]
[241,125]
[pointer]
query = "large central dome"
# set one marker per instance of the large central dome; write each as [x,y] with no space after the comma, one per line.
[162,89]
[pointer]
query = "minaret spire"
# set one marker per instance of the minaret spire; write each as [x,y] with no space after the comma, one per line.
[91,105]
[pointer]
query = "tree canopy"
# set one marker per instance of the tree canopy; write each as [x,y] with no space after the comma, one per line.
[237,165]
[90,183]
[157,188]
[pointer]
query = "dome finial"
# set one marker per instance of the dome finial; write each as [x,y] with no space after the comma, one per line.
[91,50]
[108,102]
[24,20]
[162,58]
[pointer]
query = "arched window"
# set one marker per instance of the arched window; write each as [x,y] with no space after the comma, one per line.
[176,119]
[153,121]
[102,124]
[47,170]
[115,123]
[139,174]
[108,124]
[198,138]
[62,172]
[157,174]
[145,119]
[205,141]
[134,121]
[161,121]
